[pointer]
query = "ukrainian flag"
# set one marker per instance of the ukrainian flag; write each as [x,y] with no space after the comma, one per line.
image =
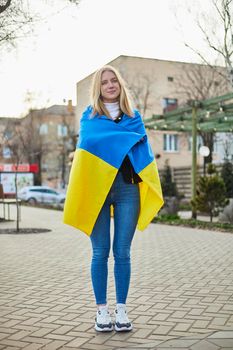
[102,146]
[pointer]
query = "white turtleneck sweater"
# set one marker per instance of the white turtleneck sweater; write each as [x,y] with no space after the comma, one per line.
[113,109]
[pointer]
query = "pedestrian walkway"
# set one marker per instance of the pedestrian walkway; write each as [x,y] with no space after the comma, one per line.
[181,294]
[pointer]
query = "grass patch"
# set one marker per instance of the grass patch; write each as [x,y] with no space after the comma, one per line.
[175,220]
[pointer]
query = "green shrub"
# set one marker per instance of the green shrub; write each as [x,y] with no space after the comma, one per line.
[211,194]
[168,186]
[227,175]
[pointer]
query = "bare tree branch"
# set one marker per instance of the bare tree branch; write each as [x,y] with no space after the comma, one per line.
[216,28]
[141,88]
[4,7]
[17,20]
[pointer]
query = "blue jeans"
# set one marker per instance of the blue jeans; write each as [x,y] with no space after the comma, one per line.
[126,202]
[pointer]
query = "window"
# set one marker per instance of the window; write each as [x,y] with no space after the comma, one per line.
[169,104]
[199,142]
[6,152]
[62,130]
[215,145]
[170,142]
[170,78]
[51,192]
[43,129]
[40,190]
[7,134]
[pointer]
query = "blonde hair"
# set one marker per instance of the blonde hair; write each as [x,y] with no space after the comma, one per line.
[95,93]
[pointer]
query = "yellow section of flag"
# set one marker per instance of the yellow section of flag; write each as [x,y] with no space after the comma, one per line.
[90,181]
[151,198]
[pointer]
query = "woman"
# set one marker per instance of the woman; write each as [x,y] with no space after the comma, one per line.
[113,172]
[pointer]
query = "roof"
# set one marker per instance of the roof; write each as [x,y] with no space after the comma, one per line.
[55,110]
[146,58]
[58,109]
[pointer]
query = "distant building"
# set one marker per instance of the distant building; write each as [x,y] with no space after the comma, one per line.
[159,86]
[49,136]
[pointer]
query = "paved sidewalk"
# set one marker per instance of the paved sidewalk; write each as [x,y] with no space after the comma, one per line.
[181,294]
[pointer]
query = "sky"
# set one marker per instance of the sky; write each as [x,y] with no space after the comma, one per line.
[72,43]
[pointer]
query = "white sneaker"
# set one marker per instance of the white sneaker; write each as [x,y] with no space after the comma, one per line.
[122,322]
[103,322]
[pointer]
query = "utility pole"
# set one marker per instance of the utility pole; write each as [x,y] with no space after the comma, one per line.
[195,105]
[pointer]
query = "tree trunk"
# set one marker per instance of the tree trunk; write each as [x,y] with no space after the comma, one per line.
[63,173]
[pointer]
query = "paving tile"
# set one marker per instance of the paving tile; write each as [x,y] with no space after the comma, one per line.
[33,347]
[14,343]
[118,344]
[163,329]
[54,345]
[179,314]
[158,348]
[227,343]
[36,340]
[179,343]
[10,323]
[222,334]
[41,332]
[19,335]
[182,327]
[141,333]
[58,337]
[76,343]
[204,345]
[3,335]
[161,316]
[200,324]
[88,346]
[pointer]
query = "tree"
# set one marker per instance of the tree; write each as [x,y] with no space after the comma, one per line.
[11,139]
[17,20]
[227,176]
[68,142]
[200,82]
[211,193]
[168,186]
[142,91]
[169,191]
[32,138]
[215,26]
[32,135]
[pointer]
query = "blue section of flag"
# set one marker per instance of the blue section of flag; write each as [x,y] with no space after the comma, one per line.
[111,141]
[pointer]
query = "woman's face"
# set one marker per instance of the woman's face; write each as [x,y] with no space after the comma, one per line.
[110,87]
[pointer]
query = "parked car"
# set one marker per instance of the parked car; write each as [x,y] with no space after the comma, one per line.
[41,194]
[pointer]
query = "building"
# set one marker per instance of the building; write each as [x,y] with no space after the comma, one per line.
[44,138]
[158,86]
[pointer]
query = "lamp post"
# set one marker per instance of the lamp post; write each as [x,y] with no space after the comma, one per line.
[204,152]
[194,155]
